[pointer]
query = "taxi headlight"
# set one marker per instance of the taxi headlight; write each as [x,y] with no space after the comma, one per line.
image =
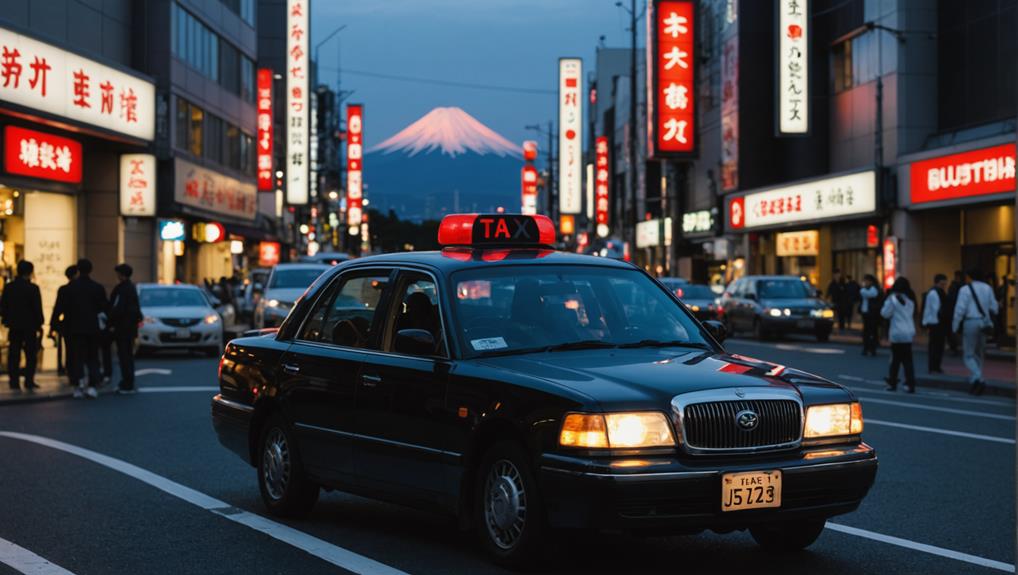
[833,420]
[616,430]
[212,318]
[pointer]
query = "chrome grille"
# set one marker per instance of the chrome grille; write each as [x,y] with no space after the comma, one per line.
[712,425]
[180,322]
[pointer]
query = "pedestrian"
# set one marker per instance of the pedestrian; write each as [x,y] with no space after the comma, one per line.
[86,300]
[869,309]
[852,288]
[836,295]
[936,322]
[899,307]
[953,339]
[125,314]
[105,348]
[973,318]
[56,322]
[21,312]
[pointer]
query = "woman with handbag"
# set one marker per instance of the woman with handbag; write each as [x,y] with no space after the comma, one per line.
[973,316]
[899,308]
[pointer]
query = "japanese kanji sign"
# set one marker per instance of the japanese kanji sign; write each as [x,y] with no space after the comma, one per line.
[570,135]
[354,166]
[803,243]
[671,78]
[137,185]
[528,192]
[264,146]
[974,173]
[298,104]
[815,200]
[793,67]
[700,222]
[46,78]
[40,155]
[213,192]
[602,180]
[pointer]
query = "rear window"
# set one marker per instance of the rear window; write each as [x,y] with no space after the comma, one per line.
[295,278]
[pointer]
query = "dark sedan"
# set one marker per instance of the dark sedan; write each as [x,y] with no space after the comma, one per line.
[700,300]
[773,305]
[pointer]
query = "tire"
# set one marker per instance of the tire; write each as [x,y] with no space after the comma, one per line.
[786,537]
[286,489]
[509,515]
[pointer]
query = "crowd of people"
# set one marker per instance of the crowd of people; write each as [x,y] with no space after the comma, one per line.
[84,323]
[961,314]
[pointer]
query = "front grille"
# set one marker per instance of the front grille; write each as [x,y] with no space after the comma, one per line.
[180,322]
[712,425]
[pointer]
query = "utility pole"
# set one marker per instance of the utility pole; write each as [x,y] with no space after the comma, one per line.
[552,196]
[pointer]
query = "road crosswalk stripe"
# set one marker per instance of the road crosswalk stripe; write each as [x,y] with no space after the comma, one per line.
[24,561]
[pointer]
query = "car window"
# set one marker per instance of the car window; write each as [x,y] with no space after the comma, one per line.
[172,297]
[694,291]
[736,289]
[419,309]
[345,314]
[294,278]
[783,289]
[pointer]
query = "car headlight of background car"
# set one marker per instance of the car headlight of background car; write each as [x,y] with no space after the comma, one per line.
[278,306]
[826,313]
[616,430]
[778,312]
[212,318]
[833,420]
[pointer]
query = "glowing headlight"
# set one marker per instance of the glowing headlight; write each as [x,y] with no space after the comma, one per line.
[616,430]
[824,313]
[212,318]
[272,303]
[833,420]
[150,319]
[777,312]
[694,307]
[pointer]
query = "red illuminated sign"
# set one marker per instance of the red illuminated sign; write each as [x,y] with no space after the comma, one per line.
[354,164]
[890,261]
[530,150]
[502,229]
[975,173]
[601,181]
[528,183]
[40,155]
[737,213]
[264,104]
[671,78]
[268,253]
[872,236]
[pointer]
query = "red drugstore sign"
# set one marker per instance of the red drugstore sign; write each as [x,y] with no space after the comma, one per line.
[528,177]
[354,165]
[41,155]
[975,173]
[601,182]
[670,83]
[264,129]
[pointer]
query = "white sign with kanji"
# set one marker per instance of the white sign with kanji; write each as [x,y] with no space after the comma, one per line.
[793,66]
[137,185]
[42,77]
[839,196]
[297,101]
[570,135]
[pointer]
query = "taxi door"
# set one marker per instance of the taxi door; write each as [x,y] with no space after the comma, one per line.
[403,426]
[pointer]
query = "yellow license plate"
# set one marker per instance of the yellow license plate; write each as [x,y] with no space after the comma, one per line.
[751,490]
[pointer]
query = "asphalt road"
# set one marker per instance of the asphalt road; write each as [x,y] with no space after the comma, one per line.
[140,485]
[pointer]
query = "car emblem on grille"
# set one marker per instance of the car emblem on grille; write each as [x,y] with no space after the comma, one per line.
[747,420]
[739,392]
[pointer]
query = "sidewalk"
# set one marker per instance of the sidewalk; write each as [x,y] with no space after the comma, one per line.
[50,385]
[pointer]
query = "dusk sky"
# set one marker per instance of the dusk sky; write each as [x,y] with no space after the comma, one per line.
[513,43]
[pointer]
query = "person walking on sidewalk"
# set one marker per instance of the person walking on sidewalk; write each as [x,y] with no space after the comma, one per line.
[953,338]
[973,316]
[869,302]
[57,329]
[899,307]
[125,313]
[935,321]
[836,293]
[86,299]
[21,312]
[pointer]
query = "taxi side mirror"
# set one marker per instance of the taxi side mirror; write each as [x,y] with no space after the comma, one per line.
[716,329]
[414,342]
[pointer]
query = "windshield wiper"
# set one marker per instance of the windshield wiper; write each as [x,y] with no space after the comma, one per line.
[511,351]
[668,343]
[584,344]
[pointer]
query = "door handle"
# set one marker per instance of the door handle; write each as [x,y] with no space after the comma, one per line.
[370,380]
[291,369]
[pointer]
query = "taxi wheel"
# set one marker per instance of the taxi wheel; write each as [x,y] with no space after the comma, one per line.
[787,536]
[286,489]
[509,514]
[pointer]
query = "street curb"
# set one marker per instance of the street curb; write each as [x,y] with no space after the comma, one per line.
[994,388]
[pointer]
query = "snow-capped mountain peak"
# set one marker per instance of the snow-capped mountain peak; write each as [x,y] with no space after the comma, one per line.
[450,130]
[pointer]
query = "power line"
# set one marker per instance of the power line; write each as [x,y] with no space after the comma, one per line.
[419,80]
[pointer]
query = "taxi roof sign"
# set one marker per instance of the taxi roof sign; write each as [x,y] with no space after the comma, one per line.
[496,230]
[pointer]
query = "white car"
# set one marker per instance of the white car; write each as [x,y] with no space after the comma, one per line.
[178,317]
[286,283]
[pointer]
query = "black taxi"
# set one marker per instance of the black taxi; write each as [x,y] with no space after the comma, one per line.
[526,390]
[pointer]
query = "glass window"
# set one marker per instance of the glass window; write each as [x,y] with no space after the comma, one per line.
[232,150]
[247,154]
[183,124]
[213,71]
[214,138]
[843,66]
[197,128]
[346,315]
[783,289]
[247,79]
[229,59]
[172,297]
[419,309]
[295,277]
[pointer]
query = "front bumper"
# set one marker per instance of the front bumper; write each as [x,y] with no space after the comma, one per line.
[668,494]
[160,335]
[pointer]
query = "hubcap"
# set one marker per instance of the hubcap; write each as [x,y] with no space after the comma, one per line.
[505,504]
[276,464]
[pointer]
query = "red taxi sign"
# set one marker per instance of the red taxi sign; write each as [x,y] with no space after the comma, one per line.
[496,229]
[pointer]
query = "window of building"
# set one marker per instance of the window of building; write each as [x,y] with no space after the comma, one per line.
[230,62]
[232,147]
[842,66]
[183,124]
[195,140]
[247,79]
[212,56]
[214,139]
[247,154]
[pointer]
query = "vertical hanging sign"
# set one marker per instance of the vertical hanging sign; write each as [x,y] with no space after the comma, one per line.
[570,136]
[264,130]
[528,177]
[671,79]
[354,167]
[793,67]
[297,103]
[601,186]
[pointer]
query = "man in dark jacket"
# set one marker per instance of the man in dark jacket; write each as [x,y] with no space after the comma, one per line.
[86,299]
[836,291]
[21,311]
[56,323]
[125,313]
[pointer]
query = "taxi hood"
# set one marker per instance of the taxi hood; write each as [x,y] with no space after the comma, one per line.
[632,378]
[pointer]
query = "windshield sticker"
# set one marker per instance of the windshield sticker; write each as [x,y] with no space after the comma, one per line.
[487,343]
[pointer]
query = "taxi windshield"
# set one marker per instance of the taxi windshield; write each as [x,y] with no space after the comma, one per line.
[517,309]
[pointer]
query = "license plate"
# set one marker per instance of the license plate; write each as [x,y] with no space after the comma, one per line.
[804,323]
[182,334]
[751,490]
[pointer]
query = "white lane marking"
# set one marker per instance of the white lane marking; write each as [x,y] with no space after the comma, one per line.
[979,436]
[153,371]
[934,395]
[322,549]
[175,389]
[819,350]
[916,546]
[940,409]
[850,378]
[24,561]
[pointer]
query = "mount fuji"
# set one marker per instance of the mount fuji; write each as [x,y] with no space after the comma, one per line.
[444,162]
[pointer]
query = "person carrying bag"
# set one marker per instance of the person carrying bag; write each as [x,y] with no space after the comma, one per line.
[973,318]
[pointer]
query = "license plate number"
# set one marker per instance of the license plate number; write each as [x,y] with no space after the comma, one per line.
[751,490]
[804,323]
[182,334]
